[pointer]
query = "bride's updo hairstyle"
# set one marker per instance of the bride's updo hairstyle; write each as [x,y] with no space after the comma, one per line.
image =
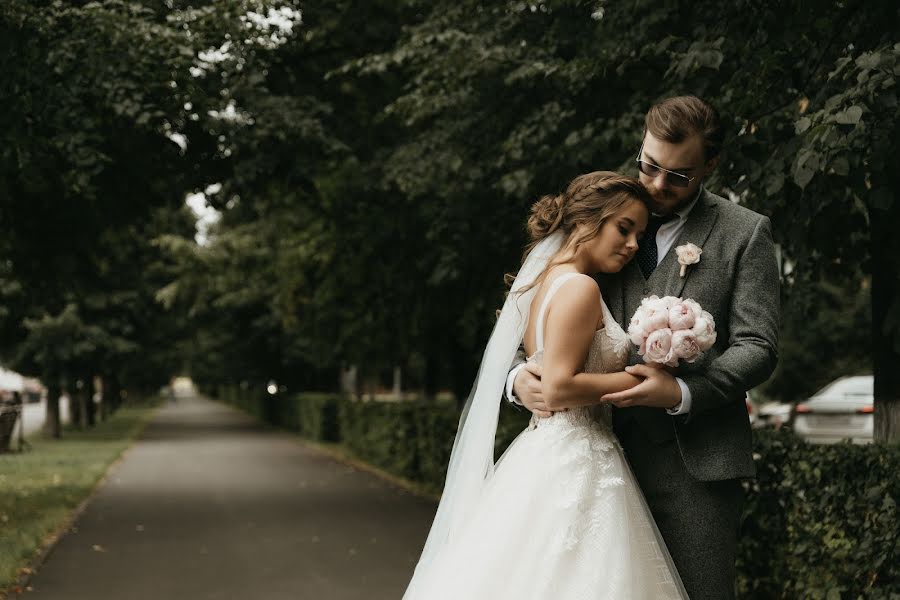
[581,210]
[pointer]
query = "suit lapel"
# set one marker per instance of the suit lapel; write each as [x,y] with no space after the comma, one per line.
[696,230]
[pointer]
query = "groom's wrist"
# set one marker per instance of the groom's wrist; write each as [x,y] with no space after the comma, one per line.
[684,406]
[510,381]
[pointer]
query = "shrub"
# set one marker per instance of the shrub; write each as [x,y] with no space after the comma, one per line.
[821,521]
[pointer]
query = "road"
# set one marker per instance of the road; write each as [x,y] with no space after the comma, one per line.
[209,504]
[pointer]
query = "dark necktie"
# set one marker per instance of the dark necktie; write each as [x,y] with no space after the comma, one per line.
[646,254]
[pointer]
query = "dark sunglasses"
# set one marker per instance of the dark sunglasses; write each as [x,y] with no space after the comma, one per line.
[651,170]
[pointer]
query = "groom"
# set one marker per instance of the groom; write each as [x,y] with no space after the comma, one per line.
[687,435]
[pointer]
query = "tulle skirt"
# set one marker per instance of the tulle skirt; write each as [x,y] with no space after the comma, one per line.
[561,518]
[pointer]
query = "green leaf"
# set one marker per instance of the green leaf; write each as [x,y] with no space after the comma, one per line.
[802,125]
[805,167]
[869,60]
[774,184]
[850,116]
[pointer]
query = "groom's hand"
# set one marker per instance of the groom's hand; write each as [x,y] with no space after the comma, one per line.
[527,388]
[659,389]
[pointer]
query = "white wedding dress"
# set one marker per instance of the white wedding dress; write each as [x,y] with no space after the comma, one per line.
[562,516]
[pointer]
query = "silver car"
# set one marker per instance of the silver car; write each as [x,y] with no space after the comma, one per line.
[842,409]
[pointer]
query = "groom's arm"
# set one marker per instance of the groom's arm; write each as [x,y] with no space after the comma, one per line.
[517,364]
[526,391]
[752,351]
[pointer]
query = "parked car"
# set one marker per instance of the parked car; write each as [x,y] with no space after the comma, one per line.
[842,409]
[767,413]
[774,414]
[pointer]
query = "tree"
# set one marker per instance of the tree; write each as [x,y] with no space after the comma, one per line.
[549,92]
[110,119]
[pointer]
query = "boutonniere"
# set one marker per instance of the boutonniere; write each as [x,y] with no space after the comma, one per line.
[688,254]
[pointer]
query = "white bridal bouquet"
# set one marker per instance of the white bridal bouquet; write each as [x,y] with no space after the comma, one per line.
[670,329]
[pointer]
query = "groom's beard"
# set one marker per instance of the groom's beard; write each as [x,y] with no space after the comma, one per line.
[666,202]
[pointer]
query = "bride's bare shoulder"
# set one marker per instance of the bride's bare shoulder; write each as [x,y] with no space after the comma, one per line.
[581,291]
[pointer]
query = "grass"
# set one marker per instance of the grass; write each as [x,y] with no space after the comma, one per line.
[40,487]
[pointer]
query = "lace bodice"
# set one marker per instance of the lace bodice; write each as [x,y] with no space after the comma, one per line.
[608,353]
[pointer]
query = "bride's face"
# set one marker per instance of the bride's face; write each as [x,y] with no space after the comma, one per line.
[616,243]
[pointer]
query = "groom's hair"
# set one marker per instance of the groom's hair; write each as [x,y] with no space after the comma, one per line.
[675,119]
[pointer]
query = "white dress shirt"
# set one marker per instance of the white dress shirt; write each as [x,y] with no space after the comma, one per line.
[665,238]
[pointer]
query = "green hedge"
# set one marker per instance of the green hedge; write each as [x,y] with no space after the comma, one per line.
[819,522]
[409,439]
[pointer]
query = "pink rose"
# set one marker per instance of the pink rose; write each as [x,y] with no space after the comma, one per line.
[704,331]
[681,316]
[658,348]
[685,346]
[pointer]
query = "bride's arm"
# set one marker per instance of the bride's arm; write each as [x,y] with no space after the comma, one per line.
[569,329]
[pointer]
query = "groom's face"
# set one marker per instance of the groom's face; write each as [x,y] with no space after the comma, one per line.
[685,158]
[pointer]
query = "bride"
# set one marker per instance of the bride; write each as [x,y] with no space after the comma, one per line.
[560,515]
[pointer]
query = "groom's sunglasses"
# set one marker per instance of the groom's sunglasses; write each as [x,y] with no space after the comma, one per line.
[651,170]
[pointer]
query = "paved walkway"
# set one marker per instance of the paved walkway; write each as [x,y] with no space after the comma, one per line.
[210,505]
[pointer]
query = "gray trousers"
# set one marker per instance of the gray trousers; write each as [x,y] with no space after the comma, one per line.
[698,520]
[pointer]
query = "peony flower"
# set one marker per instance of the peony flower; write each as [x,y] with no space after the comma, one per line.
[655,312]
[681,316]
[658,347]
[669,301]
[688,254]
[694,306]
[637,328]
[670,329]
[685,346]
[705,331]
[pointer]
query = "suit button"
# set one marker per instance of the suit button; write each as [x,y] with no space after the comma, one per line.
[646,290]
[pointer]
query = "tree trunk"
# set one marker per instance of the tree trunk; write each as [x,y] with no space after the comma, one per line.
[90,409]
[885,255]
[398,384]
[357,383]
[75,411]
[102,386]
[51,421]
[115,393]
[79,397]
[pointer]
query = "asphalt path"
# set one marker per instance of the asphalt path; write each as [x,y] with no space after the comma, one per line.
[209,504]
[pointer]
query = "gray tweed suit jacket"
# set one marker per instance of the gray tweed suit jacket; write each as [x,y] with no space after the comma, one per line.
[737,281]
